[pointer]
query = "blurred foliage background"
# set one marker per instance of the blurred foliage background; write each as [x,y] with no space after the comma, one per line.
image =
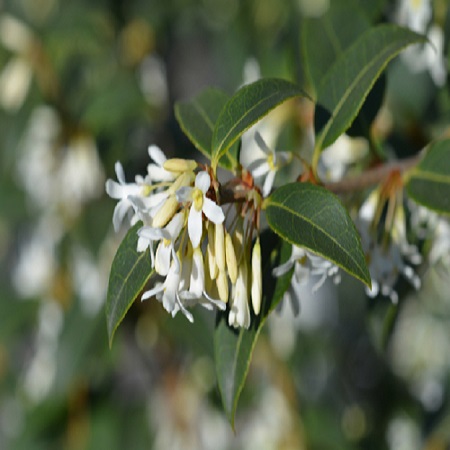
[84,84]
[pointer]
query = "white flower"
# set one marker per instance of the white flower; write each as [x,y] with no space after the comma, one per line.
[193,282]
[200,204]
[323,268]
[335,159]
[156,170]
[386,262]
[269,165]
[168,235]
[122,191]
[168,293]
[415,14]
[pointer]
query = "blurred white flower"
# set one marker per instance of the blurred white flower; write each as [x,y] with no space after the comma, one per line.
[336,159]
[267,166]
[80,175]
[414,14]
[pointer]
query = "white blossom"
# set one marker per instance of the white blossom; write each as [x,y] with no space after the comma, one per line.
[267,166]
[201,204]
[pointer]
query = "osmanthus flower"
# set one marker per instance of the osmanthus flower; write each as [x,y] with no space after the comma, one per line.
[167,236]
[155,169]
[122,191]
[168,292]
[306,265]
[200,204]
[268,166]
[414,14]
[389,256]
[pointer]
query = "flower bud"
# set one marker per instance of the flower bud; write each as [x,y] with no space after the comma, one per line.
[166,212]
[230,255]
[213,269]
[180,165]
[219,246]
[222,286]
[256,290]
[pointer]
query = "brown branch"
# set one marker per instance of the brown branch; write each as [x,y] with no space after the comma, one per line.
[371,176]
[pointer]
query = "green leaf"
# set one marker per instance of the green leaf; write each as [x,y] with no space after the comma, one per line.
[130,271]
[197,118]
[233,348]
[324,39]
[429,181]
[250,104]
[312,217]
[346,85]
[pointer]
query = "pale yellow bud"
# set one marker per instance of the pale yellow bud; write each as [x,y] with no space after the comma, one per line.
[231,260]
[212,266]
[256,290]
[180,165]
[166,212]
[222,286]
[219,246]
[185,179]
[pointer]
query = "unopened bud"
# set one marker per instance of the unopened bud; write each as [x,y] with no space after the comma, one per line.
[166,212]
[222,286]
[219,246]
[256,291]
[213,269]
[230,255]
[185,179]
[180,165]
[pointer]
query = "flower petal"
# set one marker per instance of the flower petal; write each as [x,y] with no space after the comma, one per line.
[268,183]
[119,172]
[184,194]
[159,287]
[259,168]
[114,189]
[203,181]
[157,155]
[195,226]
[120,211]
[213,211]
[262,144]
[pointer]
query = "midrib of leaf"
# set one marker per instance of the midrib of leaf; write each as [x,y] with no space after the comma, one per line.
[333,37]
[347,93]
[202,112]
[431,176]
[281,206]
[236,395]
[231,130]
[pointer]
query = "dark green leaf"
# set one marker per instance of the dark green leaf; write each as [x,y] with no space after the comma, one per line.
[197,118]
[130,271]
[233,348]
[429,182]
[324,39]
[250,104]
[346,85]
[312,217]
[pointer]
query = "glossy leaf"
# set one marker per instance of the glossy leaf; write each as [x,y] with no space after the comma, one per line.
[312,217]
[250,104]
[429,182]
[346,85]
[197,118]
[233,348]
[325,38]
[130,271]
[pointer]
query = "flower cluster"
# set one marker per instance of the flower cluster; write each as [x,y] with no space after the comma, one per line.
[198,256]
[388,252]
